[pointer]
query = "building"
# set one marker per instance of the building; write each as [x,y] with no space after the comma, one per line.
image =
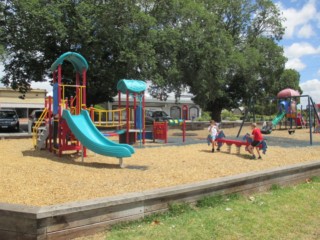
[238,111]
[24,104]
[182,108]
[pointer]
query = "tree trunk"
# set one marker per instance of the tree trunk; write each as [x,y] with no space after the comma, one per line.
[216,114]
[215,107]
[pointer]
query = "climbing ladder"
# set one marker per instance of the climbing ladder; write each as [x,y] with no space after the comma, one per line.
[40,131]
[43,133]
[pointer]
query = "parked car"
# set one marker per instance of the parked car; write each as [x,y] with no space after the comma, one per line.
[148,117]
[158,116]
[9,120]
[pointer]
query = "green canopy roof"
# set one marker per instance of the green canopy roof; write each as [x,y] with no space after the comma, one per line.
[79,62]
[132,86]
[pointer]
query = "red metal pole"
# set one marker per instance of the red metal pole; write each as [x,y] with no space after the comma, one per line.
[128,116]
[134,110]
[52,135]
[184,131]
[143,120]
[166,131]
[92,113]
[71,102]
[59,109]
[50,117]
[78,95]
[83,100]
[84,84]
[119,106]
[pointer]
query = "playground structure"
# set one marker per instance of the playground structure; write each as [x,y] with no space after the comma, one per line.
[287,99]
[316,113]
[135,89]
[246,141]
[160,129]
[68,126]
[287,110]
[135,127]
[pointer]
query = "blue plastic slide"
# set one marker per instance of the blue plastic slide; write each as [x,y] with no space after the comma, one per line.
[90,137]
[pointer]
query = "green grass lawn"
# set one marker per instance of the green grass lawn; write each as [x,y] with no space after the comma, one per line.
[281,213]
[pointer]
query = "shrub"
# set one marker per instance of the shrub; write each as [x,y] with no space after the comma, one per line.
[206,116]
[227,115]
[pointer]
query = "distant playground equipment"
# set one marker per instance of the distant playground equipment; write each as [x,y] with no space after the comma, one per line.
[246,141]
[135,123]
[317,112]
[287,102]
[287,109]
[68,126]
[287,106]
[160,129]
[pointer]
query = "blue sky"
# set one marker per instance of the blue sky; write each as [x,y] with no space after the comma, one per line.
[301,44]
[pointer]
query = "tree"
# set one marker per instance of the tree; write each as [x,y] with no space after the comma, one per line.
[35,33]
[232,53]
[259,74]
[223,51]
[113,36]
[2,5]
[290,78]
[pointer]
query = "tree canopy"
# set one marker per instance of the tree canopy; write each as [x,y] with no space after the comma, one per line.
[223,51]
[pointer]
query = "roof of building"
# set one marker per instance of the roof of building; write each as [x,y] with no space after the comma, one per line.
[14,99]
[8,89]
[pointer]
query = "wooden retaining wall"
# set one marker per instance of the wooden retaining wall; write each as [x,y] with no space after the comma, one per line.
[75,219]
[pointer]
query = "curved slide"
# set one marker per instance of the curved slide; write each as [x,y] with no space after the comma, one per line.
[90,137]
[268,128]
[278,118]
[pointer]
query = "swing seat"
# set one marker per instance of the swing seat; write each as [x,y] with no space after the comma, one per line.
[291,131]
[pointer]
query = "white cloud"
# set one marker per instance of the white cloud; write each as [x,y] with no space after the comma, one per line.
[306,31]
[297,50]
[295,63]
[311,88]
[295,18]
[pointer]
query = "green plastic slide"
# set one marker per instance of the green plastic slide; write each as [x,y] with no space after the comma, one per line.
[278,118]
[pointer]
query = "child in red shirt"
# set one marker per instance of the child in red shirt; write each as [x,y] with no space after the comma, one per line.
[256,140]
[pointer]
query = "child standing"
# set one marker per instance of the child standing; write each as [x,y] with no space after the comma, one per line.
[213,131]
[256,140]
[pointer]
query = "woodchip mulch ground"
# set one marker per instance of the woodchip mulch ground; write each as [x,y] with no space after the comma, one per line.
[38,178]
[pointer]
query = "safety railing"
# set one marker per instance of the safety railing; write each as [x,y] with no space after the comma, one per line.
[35,129]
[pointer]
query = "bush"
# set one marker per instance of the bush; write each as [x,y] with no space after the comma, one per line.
[206,116]
[227,115]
